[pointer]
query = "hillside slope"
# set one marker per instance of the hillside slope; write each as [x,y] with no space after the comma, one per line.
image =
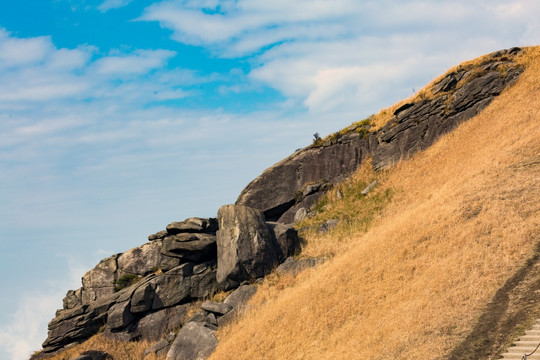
[464,220]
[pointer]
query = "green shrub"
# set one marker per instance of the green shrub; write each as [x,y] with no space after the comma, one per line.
[126,281]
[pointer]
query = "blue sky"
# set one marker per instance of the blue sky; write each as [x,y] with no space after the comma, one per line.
[120,116]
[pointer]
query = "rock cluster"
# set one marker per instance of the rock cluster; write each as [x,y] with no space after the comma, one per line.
[146,292]
[299,180]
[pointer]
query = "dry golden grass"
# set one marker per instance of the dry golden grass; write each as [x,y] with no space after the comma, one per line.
[464,217]
[119,350]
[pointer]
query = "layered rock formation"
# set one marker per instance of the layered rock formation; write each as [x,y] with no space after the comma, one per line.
[299,180]
[146,292]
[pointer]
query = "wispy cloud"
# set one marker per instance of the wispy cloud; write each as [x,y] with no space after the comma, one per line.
[138,62]
[112,4]
[24,333]
[322,53]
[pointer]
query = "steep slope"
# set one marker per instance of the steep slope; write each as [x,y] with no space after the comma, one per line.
[446,260]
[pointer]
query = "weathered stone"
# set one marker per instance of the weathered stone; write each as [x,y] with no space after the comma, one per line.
[141,260]
[240,296]
[119,316]
[158,236]
[93,355]
[327,226]
[142,298]
[173,287]
[154,325]
[73,298]
[369,187]
[276,190]
[300,214]
[306,203]
[246,248]
[99,281]
[291,266]
[193,247]
[193,225]
[204,283]
[211,319]
[287,239]
[158,349]
[194,341]
[199,316]
[216,308]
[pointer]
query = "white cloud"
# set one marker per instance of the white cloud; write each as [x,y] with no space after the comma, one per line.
[19,52]
[24,334]
[112,4]
[138,62]
[321,53]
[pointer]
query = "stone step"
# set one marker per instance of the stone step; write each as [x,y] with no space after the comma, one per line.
[522,347]
[532,332]
[527,337]
[516,356]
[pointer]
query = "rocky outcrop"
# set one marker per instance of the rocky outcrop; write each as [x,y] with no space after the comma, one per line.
[146,292]
[299,180]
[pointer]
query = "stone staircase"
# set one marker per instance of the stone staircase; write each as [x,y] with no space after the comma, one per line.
[525,345]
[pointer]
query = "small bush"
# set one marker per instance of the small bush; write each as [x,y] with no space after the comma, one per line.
[126,281]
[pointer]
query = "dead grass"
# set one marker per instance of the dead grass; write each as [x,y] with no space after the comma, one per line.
[117,349]
[355,211]
[464,217]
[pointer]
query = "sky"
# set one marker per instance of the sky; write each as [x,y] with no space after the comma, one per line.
[118,117]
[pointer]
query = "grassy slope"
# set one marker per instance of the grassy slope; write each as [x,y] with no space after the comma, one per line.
[464,217]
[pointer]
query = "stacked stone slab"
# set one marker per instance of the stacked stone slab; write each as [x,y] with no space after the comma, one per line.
[301,179]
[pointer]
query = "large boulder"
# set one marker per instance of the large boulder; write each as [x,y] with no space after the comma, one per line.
[246,249]
[195,341]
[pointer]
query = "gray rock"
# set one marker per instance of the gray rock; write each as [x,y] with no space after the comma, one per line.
[287,239]
[158,349]
[142,299]
[158,236]
[173,287]
[327,226]
[238,300]
[369,187]
[291,266]
[73,298]
[192,247]
[211,319]
[300,215]
[199,316]
[99,282]
[246,248]
[93,355]
[193,225]
[216,308]
[240,296]
[119,316]
[194,341]
[204,284]
[155,325]
[141,260]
